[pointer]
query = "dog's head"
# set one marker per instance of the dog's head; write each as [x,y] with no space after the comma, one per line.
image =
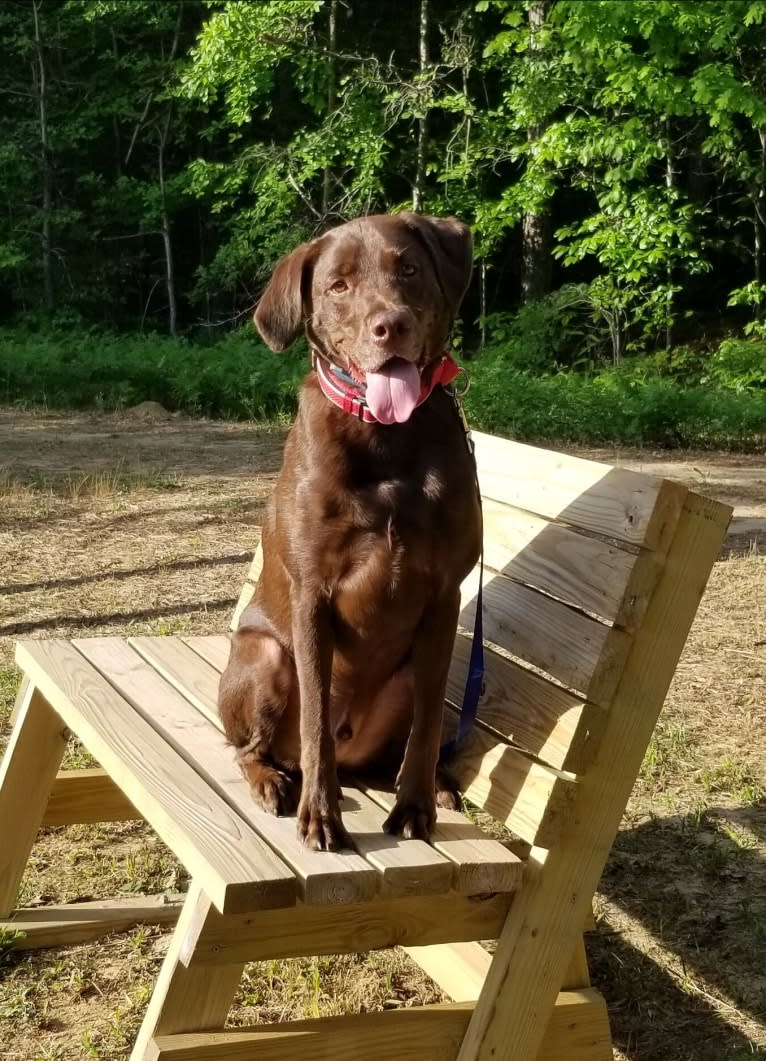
[379,291]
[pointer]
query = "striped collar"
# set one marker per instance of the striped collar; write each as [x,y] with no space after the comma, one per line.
[349,395]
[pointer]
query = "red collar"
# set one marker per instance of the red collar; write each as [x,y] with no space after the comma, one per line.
[349,395]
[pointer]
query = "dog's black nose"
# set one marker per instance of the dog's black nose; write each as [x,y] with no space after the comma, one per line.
[388,326]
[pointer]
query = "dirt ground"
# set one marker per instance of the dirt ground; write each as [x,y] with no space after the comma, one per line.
[135,524]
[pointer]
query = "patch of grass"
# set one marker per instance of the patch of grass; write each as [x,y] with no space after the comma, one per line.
[116,481]
[237,377]
[733,779]
[10,677]
[668,750]
[616,406]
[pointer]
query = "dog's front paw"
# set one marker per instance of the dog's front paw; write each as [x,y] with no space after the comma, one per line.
[414,816]
[273,791]
[320,825]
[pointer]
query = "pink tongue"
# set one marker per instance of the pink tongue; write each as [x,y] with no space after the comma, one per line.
[393,392]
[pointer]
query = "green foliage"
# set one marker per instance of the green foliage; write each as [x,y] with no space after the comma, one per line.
[738,365]
[632,407]
[236,377]
[553,332]
[660,400]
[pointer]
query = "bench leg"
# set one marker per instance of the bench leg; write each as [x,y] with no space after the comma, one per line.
[188,997]
[27,773]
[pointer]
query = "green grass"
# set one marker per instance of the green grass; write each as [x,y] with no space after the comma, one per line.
[622,406]
[237,377]
[643,403]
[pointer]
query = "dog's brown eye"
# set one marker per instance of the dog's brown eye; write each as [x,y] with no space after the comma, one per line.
[339,287]
[408,270]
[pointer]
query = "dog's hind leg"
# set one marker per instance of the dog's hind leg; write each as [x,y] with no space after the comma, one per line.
[255,702]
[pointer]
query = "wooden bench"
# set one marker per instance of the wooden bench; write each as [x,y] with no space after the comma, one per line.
[594,575]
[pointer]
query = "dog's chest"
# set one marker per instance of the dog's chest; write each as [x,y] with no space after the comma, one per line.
[399,542]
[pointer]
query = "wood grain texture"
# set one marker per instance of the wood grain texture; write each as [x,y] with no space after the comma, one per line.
[321,877]
[403,867]
[34,753]
[184,670]
[82,797]
[187,998]
[546,918]
[459,969]
[581,653]
[522,707]
[530,799]
[213,648]
[482,865]
[314,930]
[578,1030]
[585,572]
[612,502]
[66,924]
[213,842]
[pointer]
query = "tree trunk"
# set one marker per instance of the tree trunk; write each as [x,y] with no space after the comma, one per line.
[170,275]
[45,160]
[536,225]
[331,67]
[420,164]
[115,123]
[170,279]
[758,200]
[669,183]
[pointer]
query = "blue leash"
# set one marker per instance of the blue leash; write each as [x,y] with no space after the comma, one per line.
[474,683]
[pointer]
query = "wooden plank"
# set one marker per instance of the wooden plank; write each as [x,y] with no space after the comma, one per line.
[315,930]
[248,589]
[213,648]
[245,596]
[214,843]
[404,866]
[322,876]
[547,915]
[184,670]
[22,695]
[578,973]
[524,708]
[578,1030]
[34,753]
[583,571]
[581,653]
[82,797]
[186,997]
[459,969]
[530,799]
[612,502]
[64,925]
[482,864]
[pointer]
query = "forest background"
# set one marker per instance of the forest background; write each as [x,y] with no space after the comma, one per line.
[158,156]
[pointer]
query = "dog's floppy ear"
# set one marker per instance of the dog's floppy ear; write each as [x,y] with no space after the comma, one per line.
[450,246]
[279,314]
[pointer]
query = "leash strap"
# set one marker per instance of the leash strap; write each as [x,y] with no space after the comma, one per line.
[474,683]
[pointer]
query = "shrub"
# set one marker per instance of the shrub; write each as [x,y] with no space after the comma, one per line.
[234,377]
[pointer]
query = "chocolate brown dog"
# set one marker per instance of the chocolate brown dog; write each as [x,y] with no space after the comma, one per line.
[341,659]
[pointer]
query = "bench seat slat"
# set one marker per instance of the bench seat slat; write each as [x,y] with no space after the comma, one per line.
[465,859]
[236,868]
[405,866]
[323,877]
